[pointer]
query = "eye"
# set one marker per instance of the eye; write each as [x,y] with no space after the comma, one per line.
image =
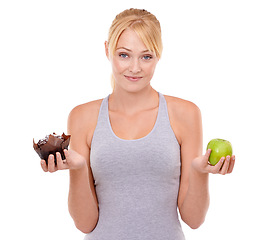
[123,55]
[147,57]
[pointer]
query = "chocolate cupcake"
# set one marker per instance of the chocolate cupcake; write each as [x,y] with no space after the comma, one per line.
[50,145]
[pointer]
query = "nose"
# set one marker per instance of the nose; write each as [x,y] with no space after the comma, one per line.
[134,66]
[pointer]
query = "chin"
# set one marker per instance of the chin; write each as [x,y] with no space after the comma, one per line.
[136,88]
[132,87]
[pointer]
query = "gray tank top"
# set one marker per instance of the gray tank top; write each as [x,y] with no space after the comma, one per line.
[136,181]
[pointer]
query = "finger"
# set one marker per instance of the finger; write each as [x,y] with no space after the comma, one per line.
[44,165]
[218,166]
[231,165]
[207,154]
[51,164]
[60,163]
[67,158]
[225,166]
[66,155]
[206,162]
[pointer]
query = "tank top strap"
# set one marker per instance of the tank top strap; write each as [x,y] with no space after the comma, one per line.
[103,113]
[102,120]
[163,112]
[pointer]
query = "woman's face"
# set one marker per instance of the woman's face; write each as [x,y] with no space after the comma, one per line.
[133,65]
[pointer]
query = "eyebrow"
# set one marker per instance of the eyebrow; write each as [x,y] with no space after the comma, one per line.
[131,50]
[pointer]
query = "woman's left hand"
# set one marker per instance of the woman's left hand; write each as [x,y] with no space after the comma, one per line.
[224,166]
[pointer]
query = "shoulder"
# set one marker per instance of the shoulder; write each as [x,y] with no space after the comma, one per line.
[185,117]
[85,111]
[182,109]
[82,120]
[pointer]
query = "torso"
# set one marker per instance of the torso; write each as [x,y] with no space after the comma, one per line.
[136,178]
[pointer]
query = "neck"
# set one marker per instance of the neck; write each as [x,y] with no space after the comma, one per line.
[132,102]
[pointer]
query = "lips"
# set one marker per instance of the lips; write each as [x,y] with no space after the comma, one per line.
[133,78]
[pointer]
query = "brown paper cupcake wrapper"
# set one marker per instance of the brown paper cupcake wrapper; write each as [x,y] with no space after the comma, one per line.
[50,145]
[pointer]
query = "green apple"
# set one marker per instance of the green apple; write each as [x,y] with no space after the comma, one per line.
[219,148]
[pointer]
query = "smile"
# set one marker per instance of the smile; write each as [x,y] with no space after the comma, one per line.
[132,78]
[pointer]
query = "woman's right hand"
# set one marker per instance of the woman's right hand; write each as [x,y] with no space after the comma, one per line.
[73,161]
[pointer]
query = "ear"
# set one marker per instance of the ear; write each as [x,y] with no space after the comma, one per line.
[107,49]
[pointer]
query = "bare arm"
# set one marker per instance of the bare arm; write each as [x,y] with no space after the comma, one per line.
[193,199]
[82,201]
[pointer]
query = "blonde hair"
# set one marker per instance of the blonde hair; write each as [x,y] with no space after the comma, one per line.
[146,26]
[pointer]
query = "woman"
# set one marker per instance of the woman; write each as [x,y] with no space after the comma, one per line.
[136,155]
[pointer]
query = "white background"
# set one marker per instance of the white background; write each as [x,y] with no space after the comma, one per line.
[218,54]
